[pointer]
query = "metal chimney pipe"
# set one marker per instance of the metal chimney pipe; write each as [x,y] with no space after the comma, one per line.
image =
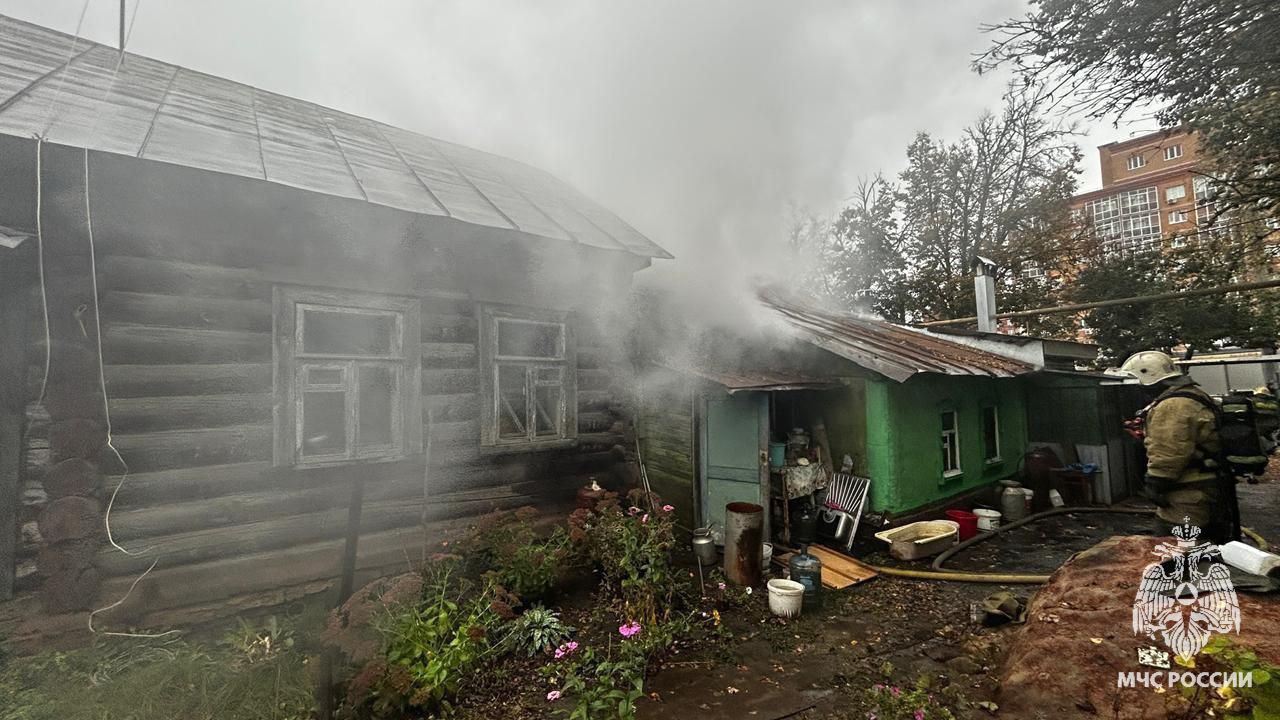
[984,291]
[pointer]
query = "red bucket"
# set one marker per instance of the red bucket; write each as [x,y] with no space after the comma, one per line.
[967,521]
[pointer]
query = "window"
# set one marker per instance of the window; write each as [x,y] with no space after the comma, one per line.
[1175,193]
[1177,216]
[346,377]
[991,434]
[1031,271]
[1136,161]
[950,444]
[1126,222]
[1173,152]
[528,365]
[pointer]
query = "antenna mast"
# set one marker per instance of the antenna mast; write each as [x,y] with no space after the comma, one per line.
[122,4]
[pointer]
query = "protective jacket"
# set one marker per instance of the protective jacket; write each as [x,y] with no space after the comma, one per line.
[1182,455]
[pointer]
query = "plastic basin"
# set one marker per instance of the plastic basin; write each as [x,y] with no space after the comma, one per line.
[920,539]
[785,597]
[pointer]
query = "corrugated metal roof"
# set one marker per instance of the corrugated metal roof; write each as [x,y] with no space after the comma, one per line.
[755,379]
[895,351]
[158,111]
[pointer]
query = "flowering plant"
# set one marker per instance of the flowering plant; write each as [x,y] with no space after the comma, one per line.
[632,550]
[890,702]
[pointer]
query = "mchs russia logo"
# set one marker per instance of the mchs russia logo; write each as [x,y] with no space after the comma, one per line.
[1187,597]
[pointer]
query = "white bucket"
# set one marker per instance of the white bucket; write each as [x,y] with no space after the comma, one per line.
[766,556]
[987,519]
[785,597]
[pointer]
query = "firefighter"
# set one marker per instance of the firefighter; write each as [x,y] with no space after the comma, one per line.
[1186,473]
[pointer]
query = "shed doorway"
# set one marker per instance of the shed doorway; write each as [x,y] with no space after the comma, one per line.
[735,439]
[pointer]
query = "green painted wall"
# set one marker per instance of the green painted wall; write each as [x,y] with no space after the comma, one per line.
[904,436]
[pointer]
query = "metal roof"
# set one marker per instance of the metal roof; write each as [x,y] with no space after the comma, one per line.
[755,379]
[895,351]
[56,86]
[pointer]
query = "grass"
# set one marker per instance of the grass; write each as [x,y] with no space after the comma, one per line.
[253,673]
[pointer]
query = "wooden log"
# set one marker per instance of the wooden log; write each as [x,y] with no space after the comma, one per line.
[189,311]
[142,344]
[449,382]
[262,536]
[171,518]
[73,476]
[466,432]
[174,277]
[66,557]
[593,379]
[125,381]
[164,486]
[448,327]
[448,354]
[70,518]
[146,452]
[179,412]
[78,438]
[451,408]
[70,591]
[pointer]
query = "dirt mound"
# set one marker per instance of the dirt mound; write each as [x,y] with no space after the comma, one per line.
[1078,637]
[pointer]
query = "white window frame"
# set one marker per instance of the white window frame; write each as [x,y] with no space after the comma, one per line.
[998,457]
[293,365]
[1136,161]
[951,460]
[1175,193]
[1173,152]
[492,318]
[1177,217]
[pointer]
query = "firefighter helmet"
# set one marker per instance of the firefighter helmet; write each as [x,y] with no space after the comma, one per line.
[1150,367]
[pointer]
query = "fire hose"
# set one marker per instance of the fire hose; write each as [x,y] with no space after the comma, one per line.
[938,573]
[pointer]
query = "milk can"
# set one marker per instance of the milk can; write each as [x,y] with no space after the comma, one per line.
[704,547]
[1013,501]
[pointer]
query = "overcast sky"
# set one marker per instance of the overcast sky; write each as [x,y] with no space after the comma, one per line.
[696,121]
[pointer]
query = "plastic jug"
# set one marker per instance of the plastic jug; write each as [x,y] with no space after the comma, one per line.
[807,570]
[1013,501]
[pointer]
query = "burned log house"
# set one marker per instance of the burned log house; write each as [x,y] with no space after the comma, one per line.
[289,297]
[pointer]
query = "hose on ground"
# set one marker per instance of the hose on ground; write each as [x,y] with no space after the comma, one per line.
[939,573]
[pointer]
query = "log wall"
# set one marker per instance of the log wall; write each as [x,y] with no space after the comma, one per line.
[185,296]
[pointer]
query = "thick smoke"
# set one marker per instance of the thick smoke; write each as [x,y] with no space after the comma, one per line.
[698,122]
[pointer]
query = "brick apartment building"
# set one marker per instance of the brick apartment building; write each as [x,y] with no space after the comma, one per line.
[1150,191]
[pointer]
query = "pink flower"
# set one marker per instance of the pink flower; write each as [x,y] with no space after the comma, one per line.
[629,629]
[668,508]
[645,519]
[895,691]
[633,510]
[721,585]
[571,646]
[919,715]
[566,649]
[553,696]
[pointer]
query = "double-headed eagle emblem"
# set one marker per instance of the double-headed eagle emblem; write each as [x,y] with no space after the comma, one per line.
[1187,596]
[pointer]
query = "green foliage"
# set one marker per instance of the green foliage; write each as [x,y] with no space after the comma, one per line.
[632,549]
[538,630]
[890,702]
[1260,702]
[905,249]
[1213,65]
[600,687]
[260,643]
[160,679]
[521,560]
[431,648]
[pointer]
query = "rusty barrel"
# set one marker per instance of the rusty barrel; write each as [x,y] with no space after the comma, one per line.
[743,538]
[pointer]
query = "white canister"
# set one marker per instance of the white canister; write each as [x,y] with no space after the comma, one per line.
[766,556]
[987,519]
[1055,499]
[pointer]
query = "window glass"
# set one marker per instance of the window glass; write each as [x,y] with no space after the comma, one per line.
[1173,152]
[948,421]
[324,423]
[990,433]
[529,339]
[1175,193]
[547,411]
[325,376]
[513,409]
[331,332]
[376,391]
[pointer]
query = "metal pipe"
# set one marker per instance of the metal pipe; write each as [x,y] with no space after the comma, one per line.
[1077,307]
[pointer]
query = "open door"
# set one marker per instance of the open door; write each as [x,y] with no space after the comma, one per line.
[735,467]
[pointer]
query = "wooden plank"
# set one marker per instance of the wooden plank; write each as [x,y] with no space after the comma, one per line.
[175,277]
[450,408]
[142,344]
[448,382]
[449,327]
[196,411]
[163,486]
[844,570]
[455,433]
[187,311]
[171,518]
[444,354]
[146,452]
[125,381]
